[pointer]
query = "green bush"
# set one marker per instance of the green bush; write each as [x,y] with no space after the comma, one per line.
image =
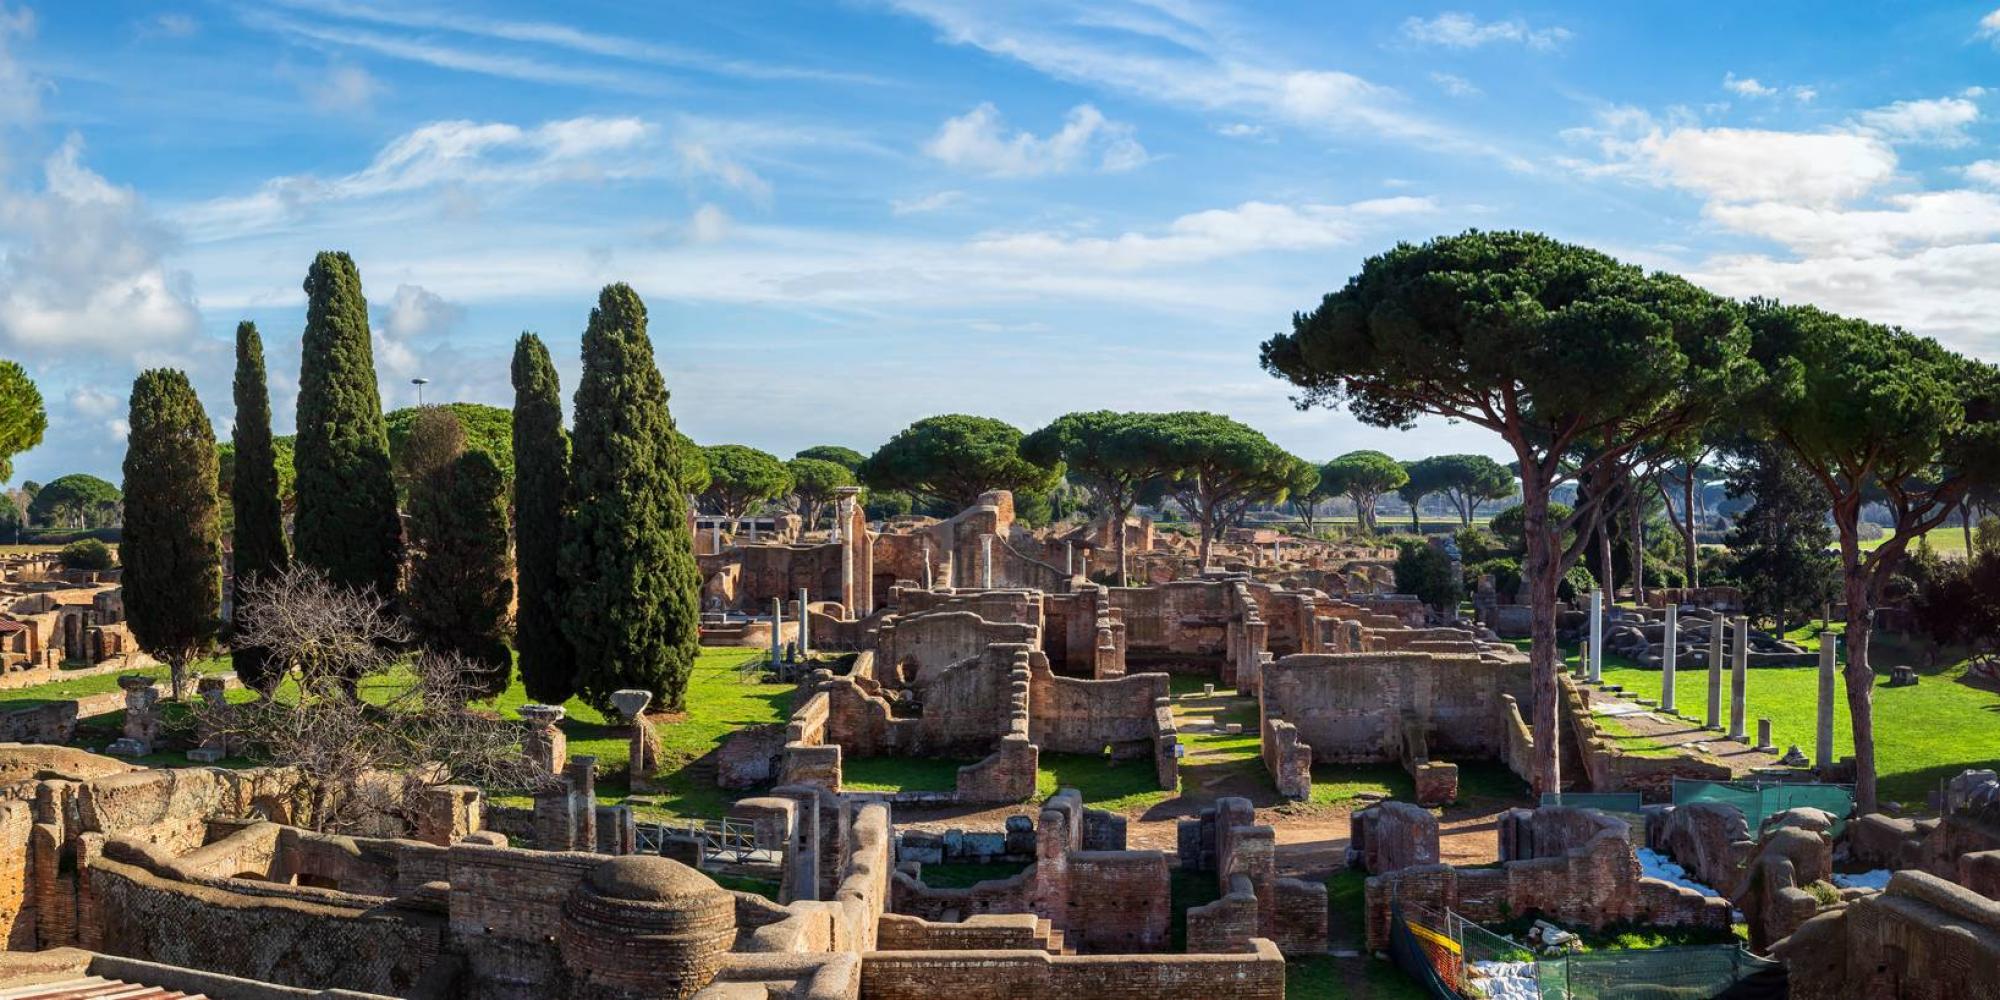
[1576,584]
[1507,525]
[87,553]
[1506,573]
[1424,570]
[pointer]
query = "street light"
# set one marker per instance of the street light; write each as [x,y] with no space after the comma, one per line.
[420,383]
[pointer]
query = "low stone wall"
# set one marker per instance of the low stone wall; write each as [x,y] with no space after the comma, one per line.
[391,949]
[1031,975]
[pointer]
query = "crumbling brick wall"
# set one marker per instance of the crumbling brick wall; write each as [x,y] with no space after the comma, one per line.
[1036,975]
[386,949]
[1922,938]
[1574,866]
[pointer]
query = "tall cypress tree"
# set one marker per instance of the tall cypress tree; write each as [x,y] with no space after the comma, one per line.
[172,543]
[259,541]
[541,480]
[632,591]
[459,580]
[346,523]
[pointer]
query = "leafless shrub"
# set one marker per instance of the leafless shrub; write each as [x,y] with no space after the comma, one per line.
[367,726]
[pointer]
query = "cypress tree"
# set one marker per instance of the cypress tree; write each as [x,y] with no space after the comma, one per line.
[631,589]
[541,479]
[259,540]
[459,578]
[172,543]
[346,524]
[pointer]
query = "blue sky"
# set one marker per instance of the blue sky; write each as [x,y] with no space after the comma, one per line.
[847,216]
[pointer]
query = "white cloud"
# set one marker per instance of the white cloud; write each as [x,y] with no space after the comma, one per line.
[20,91]
[1930,218]
[1804,94]
[1456,30]
[413,315]
[1739,165]
[932,202]
[1989,26]
[1984,172]
[341,89]
[564,37]
[1239,130]
[456,153]
[979,142]
[1212,68]
[702,159]
[83,268]
[1746,86]
[709,224]
[1456,86]
[1938,121]
[1248,228]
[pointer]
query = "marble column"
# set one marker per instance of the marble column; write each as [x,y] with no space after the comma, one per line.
[1670,649]
[1595,661]
[777,631]
[1829,645]
[1069,558]
[986,561]
[1717,636]
[805,627]
[1583,660]
[1739,679]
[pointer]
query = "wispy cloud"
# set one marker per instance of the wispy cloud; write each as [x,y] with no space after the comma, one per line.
[1251,227]
[565,37]
[459,59]
[455,153]
[1456,86]
[1456,30]
[1210,69]
[932,202]
[979,141]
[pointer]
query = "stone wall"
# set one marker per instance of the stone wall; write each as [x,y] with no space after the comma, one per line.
[1071,715]
[1034,975]
[1349,707]
[1922,938]
[389,948]
[1572,866]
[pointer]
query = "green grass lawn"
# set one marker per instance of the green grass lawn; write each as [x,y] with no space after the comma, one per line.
[899,774]
[721,699]
[1923,734]
[72,688]
[1945,540]
[959,875]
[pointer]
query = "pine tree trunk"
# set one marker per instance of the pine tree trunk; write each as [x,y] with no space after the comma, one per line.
[1860,680]
[1687,515]
[1542,575]
[1638,538]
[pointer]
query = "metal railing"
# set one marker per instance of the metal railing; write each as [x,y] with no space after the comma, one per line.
[724,839]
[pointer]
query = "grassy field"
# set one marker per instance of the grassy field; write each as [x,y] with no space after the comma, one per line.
[72,688]
[1924,734]
[721,699]
[1945,540]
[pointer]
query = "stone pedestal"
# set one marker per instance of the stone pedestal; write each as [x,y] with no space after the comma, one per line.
[1764,736]
[447,814]
[212,722]
[544,742]
[1829,645]
[645,747]
[142,717]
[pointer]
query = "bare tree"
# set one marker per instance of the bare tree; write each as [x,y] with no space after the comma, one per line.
[366,726]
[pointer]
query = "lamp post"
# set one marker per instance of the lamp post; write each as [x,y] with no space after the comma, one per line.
[420,383]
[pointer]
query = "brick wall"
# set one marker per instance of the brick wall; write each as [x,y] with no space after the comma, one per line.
[390,950]
[1039,976]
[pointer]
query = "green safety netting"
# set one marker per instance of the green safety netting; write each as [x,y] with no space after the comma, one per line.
[1695,972]
[1618,802]
[1761,800]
